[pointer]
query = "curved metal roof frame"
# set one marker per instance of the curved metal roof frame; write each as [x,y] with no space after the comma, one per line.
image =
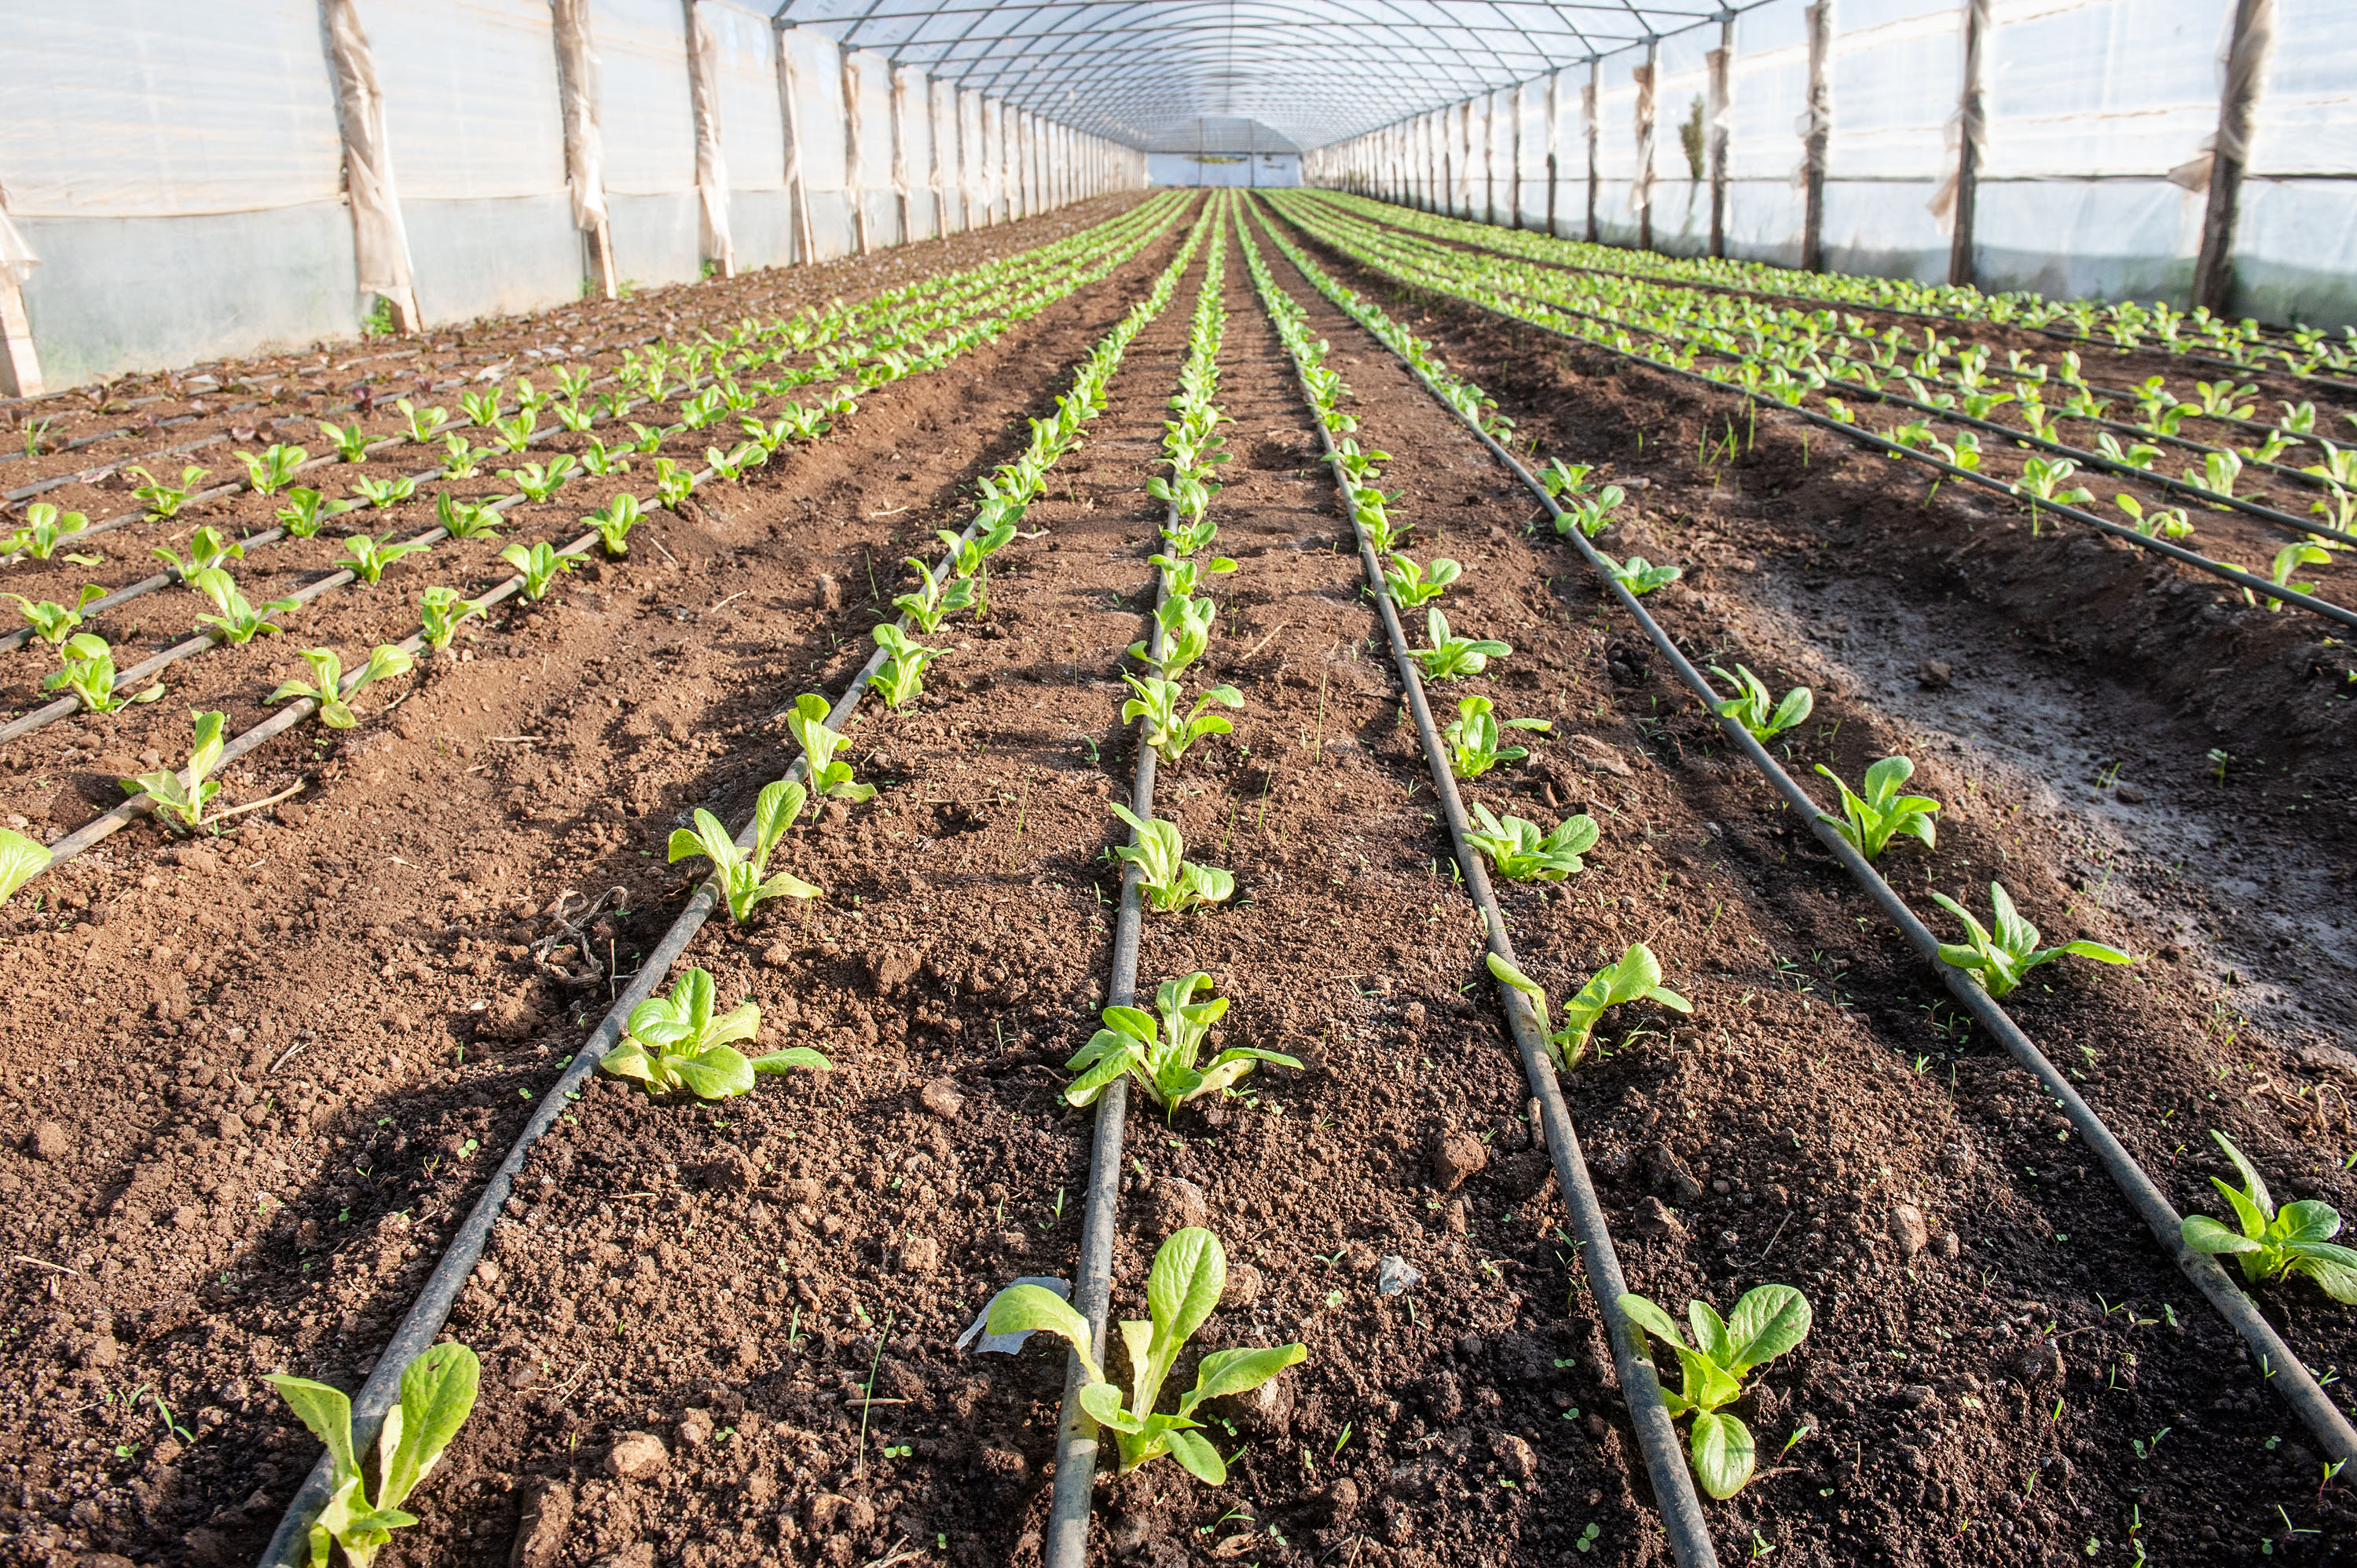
[1318,72]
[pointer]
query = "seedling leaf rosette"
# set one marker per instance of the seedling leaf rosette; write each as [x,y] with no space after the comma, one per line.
[674,1043]
[1190,1271]
[1768,1321]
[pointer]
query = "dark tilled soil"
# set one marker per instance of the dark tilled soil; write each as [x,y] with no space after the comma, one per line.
[2016,681]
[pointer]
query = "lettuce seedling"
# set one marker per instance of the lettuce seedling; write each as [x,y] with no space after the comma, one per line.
[1638,575]
[2275,1243]
[89,674]
[236,621]
[1521,854]
[45,527]
[1186,636]
[1590,514]
[967,555]
[207,547]
[1871,821]
[466,520]
[461,458]
[649,438]
[732,463]
[1170,881]
[903,674]
[2166,521]
[1180,577]
[379,494]
[21,860]
[1189,537]
[306,509]
[2288,559]
[1190,1273]
[1755,710]
[272,469]
[1474,734]
[1160,1054]
[481,408]
[1409,585]
[614,522]
[421,424]
[367,558]
[830,778]
[326,686]
[1768,1321]
[673,482]
[1370,509]
[1157,703]
[1451,658]
[165,501]
[350,442]
[1635,977]
[929,602]
[674,1043]
[50,621]
[183,802]
[573,417]
[437,1394]
[603,460]
[1186,491]
[2001,958]
[540,564]
[538,481]
[440,611]
[744,879]
[515,435]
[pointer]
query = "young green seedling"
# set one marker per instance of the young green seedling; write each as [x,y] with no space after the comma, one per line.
[89,674]
[2166,521]
[481,408]
[745,881]
[515,435]
[830,777]
[379,494]
[1759,712]
[1452,657]
[1189,537]
[272,469]
[1768,1321]
[674,1043]
[437,1394]
[1999,958]
[540,564]
[52,622]
[366,558]
[1871,821]
[1473,735]
[306,509]
[165,501]
[674,482]
[21,860]
[461,458]
[207,547]
[614,522]
[1410,585]
[440,611]
[45,527]
[350,442]
[605,461]
[903,674]
[1186,635]
[1166,731]
[1161,1054]
[466,520]
[326,686]
[2290,558]
[929,602]
[1638,575]
[421,424]
[1180,576]
[1590,514]
[182,802]
[1635,977]
[1521,854]
[1170,882]
[237,621]
[538,481]
[2275,1243]
[1189,1274]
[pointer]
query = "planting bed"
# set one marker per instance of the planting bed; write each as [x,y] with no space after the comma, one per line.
[257,1079]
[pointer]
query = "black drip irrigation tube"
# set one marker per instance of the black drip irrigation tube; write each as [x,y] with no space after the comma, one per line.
[289,1546]
[1657,1438]
[2235,575]
[2283,1368]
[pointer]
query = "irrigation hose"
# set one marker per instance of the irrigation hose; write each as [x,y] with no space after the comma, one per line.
[2235,575]
[2280,1366]
[289,1546]
[1657,1438]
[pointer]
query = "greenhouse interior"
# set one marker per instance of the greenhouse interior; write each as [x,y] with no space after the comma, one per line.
[1662,741]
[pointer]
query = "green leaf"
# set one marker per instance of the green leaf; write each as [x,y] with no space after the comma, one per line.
[714,1073]
[328,1414]
[21,860]
[1026,1309]
[1768,1321]
[1723,1454]
[1650,1318]
[1197,1456]
[2204,1234]
[1103,1402]
[437,1393]
[792,1057]
[1225,1372]
[2305,1222]
[1191,1270]
[2254,1188]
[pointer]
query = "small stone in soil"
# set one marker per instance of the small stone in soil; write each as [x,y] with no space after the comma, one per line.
[1654,1219]
[1455,1156]
[637,1456]
[920,1255]
[1908,1229]
[47,1140]
[943,1098]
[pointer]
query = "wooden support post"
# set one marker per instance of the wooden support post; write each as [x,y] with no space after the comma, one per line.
[1554,124]
[1515,185]
[1970,109]
[2246,64]
[1722,60]
[1588,109]
[1646,75]
[854,158]
[20,363]
[1817,122]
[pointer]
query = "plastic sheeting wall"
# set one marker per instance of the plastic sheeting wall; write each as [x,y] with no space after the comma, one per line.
[179,169]
[2091,104]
